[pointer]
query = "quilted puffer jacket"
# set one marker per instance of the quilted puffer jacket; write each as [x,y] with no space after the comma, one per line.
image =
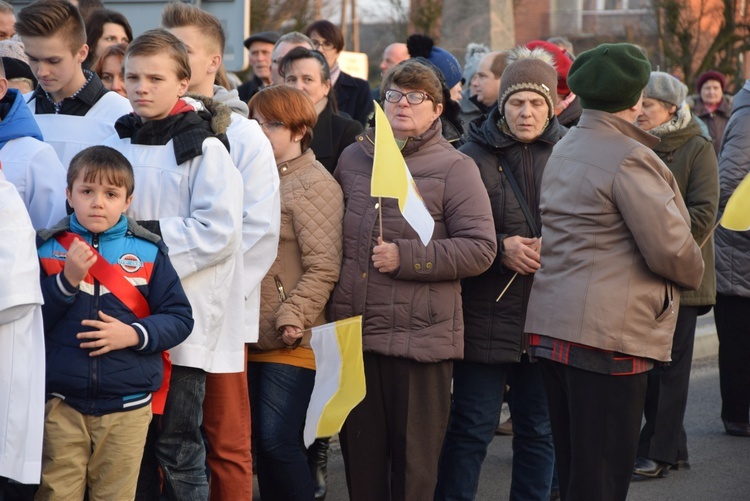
[296,288]
[414,312]
[733,247]
[121,379]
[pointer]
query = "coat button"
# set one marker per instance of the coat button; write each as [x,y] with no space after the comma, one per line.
[428,265]
[417,266]
[364,274]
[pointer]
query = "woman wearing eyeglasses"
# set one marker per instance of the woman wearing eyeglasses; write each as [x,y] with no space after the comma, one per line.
[281,366]
[352,94]
[408,293]
[308,71]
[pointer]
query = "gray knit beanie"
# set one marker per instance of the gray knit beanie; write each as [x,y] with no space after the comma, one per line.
[474,54]
[13,47]
[665,87]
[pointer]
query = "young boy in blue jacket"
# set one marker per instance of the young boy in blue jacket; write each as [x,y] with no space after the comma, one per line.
[112,303]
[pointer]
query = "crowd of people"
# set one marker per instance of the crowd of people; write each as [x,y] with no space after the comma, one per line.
[190,233]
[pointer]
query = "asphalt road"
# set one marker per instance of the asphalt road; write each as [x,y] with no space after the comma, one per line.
[720,463]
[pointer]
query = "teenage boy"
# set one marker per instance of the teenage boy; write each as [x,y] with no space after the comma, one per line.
[21,345]
[112,303]
[191,194]
[70,104]
[31,165]
[226,408]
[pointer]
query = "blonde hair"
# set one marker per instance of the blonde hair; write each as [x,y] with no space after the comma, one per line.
[159,41]
[179,15]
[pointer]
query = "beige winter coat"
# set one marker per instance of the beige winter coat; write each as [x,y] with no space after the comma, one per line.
[296,288]
[616,242]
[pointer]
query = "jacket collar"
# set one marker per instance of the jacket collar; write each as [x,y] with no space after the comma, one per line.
[286,168]
[490,134]
[413,144]
[595,119]
[322,141]
[673,140]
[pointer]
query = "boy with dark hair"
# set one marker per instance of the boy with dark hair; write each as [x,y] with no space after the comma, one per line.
[102,271]
[70,104]
[191,194]
[31,165]
[226,408]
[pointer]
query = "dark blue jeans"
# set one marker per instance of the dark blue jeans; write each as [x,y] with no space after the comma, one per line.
[477,396]
[279,396]
[179,446]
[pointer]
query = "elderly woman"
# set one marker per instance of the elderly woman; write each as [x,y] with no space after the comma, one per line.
[691,158]
[712,105]
[352,94]
[281,366]
[511,146]
[409,294]
[308,71]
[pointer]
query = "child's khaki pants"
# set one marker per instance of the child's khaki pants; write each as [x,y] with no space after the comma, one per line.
[101,452]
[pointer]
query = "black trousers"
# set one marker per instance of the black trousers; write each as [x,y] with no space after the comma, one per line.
[595,423]
[663,436]
[391,441]
[733,328]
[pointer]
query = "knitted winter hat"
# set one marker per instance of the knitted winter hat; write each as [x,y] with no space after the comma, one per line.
[13,47]
[474,54]
[710,75]
[562,63]
[424,46]
[665,87]
[610,77]
[15,68]
[530,70]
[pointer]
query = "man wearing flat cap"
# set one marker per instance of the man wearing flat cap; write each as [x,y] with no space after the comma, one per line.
[617,251]
[260,45]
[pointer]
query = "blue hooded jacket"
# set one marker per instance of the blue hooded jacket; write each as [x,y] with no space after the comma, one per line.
[18,121]
[120,379]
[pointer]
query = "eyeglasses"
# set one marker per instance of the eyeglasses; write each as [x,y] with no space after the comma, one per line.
[321,43]
[414,97]
[271,125]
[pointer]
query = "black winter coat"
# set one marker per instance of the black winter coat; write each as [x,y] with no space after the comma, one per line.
[331,135]
[494,330]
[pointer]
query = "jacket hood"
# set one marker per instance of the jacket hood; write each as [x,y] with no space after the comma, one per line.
[221,114]
[230,98]
[18,121]
[489,132]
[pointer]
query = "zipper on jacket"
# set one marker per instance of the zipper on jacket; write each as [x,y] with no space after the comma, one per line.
[95,360]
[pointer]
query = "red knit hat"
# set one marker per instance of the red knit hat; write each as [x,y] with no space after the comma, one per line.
[710,75]
[562,63]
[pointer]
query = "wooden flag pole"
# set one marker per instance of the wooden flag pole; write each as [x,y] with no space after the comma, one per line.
[506,287]
[710,233]
[380,216]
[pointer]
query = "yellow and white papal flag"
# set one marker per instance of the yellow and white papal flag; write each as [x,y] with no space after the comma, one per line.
[391,178]
[737,212]
[339,377]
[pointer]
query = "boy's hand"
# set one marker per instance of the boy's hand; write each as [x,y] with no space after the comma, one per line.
[112,335]
[79,259]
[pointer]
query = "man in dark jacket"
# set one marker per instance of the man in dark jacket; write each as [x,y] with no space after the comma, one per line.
[260,45]
[510,147]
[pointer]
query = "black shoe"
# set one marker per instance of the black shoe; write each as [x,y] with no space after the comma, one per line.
[737,429]
[317,458]
[645,469]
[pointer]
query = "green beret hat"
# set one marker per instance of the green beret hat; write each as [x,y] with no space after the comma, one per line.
[610,77]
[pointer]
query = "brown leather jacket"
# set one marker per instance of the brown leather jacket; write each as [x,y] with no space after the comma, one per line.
[296,288]
[414,312]
[616,242]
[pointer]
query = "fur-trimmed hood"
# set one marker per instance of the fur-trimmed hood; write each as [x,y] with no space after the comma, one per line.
[221,114]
